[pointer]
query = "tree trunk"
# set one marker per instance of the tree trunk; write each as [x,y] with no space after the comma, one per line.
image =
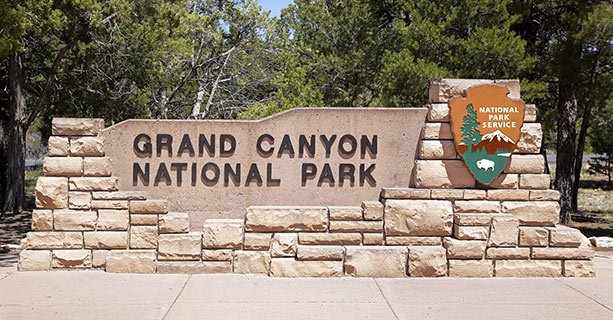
[162,104]
[14,197]
[3,159]
[567,133]
[198,103]
[587,114]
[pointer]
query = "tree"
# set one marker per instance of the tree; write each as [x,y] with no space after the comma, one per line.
[37,36]
[573,40]
[366,53]
[470,128]
[601,142]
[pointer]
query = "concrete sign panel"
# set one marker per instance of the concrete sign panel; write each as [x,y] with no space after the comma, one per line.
[311,156]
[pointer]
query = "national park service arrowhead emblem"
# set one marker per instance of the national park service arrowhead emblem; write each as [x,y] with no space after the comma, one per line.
[486,126]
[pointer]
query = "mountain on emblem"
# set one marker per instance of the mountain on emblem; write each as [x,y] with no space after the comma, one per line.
[486,127]
[498,136]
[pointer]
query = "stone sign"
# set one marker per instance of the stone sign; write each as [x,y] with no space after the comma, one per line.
[486,127]
[299,157]
[315,193]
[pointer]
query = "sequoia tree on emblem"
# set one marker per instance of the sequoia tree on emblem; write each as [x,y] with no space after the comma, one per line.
[486,126]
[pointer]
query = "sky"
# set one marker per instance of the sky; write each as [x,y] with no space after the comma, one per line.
[274,6]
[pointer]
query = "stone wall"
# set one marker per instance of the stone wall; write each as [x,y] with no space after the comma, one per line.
[447,226]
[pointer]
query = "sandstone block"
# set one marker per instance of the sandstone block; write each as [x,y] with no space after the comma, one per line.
[356,226]
[471,232]
[562,236]
[476,206]
[63,166]
[257,241]
[112,220]
[445,89]
[442,174]
[149,206]
[110,204]
[413,241]
[71,259]
[58,146]
[284,245]
[501,194]
[464,249]
[289,267]
[472,219]
[97,167]
[106,240]
[179,246]
[286,219]
[375,239]
[533,237]
[174,222]
[329,238]
[76,126]
[505,181]
[42,220]
[471,268]
[144,219]
[436,131]
[405,193]
[528,268]
[504,231]
[475,194]
[530,138]
[223,233]
[437,149]
[251,262]
[373,210]
[99,258]
[34,260]
[217,254]
[194,267]
[74,220]
[508,253]
[54,240]
[345,213]
[87,146]
[579,268]
[93,184]
[427,261]
[320,252]
[79,200]
[438,112]
[525,163]
[144,237]
[375,261]
[51,192]
[131,261]
[447,194]
[539,195]
[563,253]
[119,195]
[530,113]
[534,181]
[418,217]
[535,213]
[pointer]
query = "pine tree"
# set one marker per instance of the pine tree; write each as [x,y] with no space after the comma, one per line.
[470,125]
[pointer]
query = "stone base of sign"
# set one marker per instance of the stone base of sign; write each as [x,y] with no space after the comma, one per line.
[447,225]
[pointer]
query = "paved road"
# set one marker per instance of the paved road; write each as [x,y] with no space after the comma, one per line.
[98,295]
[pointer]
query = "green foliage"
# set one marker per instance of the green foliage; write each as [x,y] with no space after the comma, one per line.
[601,141]
[361,53]
[470,127]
